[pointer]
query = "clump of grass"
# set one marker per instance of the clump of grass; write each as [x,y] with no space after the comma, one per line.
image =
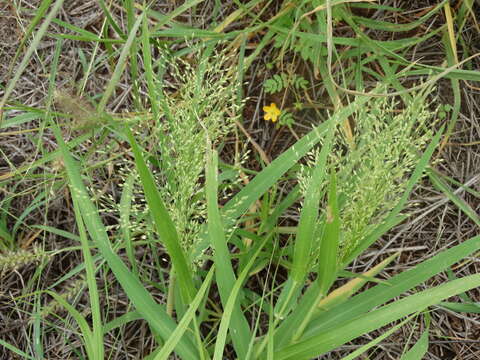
[375,167]
[197,103]
[358,180]
[202,106]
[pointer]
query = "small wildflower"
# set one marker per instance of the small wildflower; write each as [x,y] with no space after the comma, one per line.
[272,112]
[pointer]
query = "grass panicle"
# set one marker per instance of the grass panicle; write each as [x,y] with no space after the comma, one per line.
[13,260]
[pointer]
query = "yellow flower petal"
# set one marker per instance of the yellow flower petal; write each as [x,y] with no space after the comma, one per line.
[272,112]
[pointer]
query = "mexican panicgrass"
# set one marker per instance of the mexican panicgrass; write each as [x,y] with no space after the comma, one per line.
[198,102]
[352,189]
[388,140]
[202,105]
[372,170]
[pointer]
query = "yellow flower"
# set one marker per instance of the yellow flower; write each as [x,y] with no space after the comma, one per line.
[272,112]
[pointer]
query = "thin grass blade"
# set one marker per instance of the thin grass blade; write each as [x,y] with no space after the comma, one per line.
[120,65]
[228,311]
[309,216]
[97,343]
[457,200]
[26,58]
[355,355]
[86,332]
[323,342]
[418,351]
[395,286]
[225,276]
[172,341]
[329,246]
[164,224]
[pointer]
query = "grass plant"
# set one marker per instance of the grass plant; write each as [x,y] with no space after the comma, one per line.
[179,237]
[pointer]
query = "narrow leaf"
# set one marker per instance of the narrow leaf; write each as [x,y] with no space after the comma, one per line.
[186,319]
[325,341]
[224,272]
[164,224]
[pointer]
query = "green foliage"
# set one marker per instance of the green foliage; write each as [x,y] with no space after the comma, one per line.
[350,191]
[443,111]
[307,48]
[372,169]
[285,119]
[203,107]
[282,81]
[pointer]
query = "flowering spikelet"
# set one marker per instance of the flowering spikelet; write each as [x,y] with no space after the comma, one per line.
[388,148]
[15,259]
[204,107]
[372,171]
[197,102]
[70,291]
